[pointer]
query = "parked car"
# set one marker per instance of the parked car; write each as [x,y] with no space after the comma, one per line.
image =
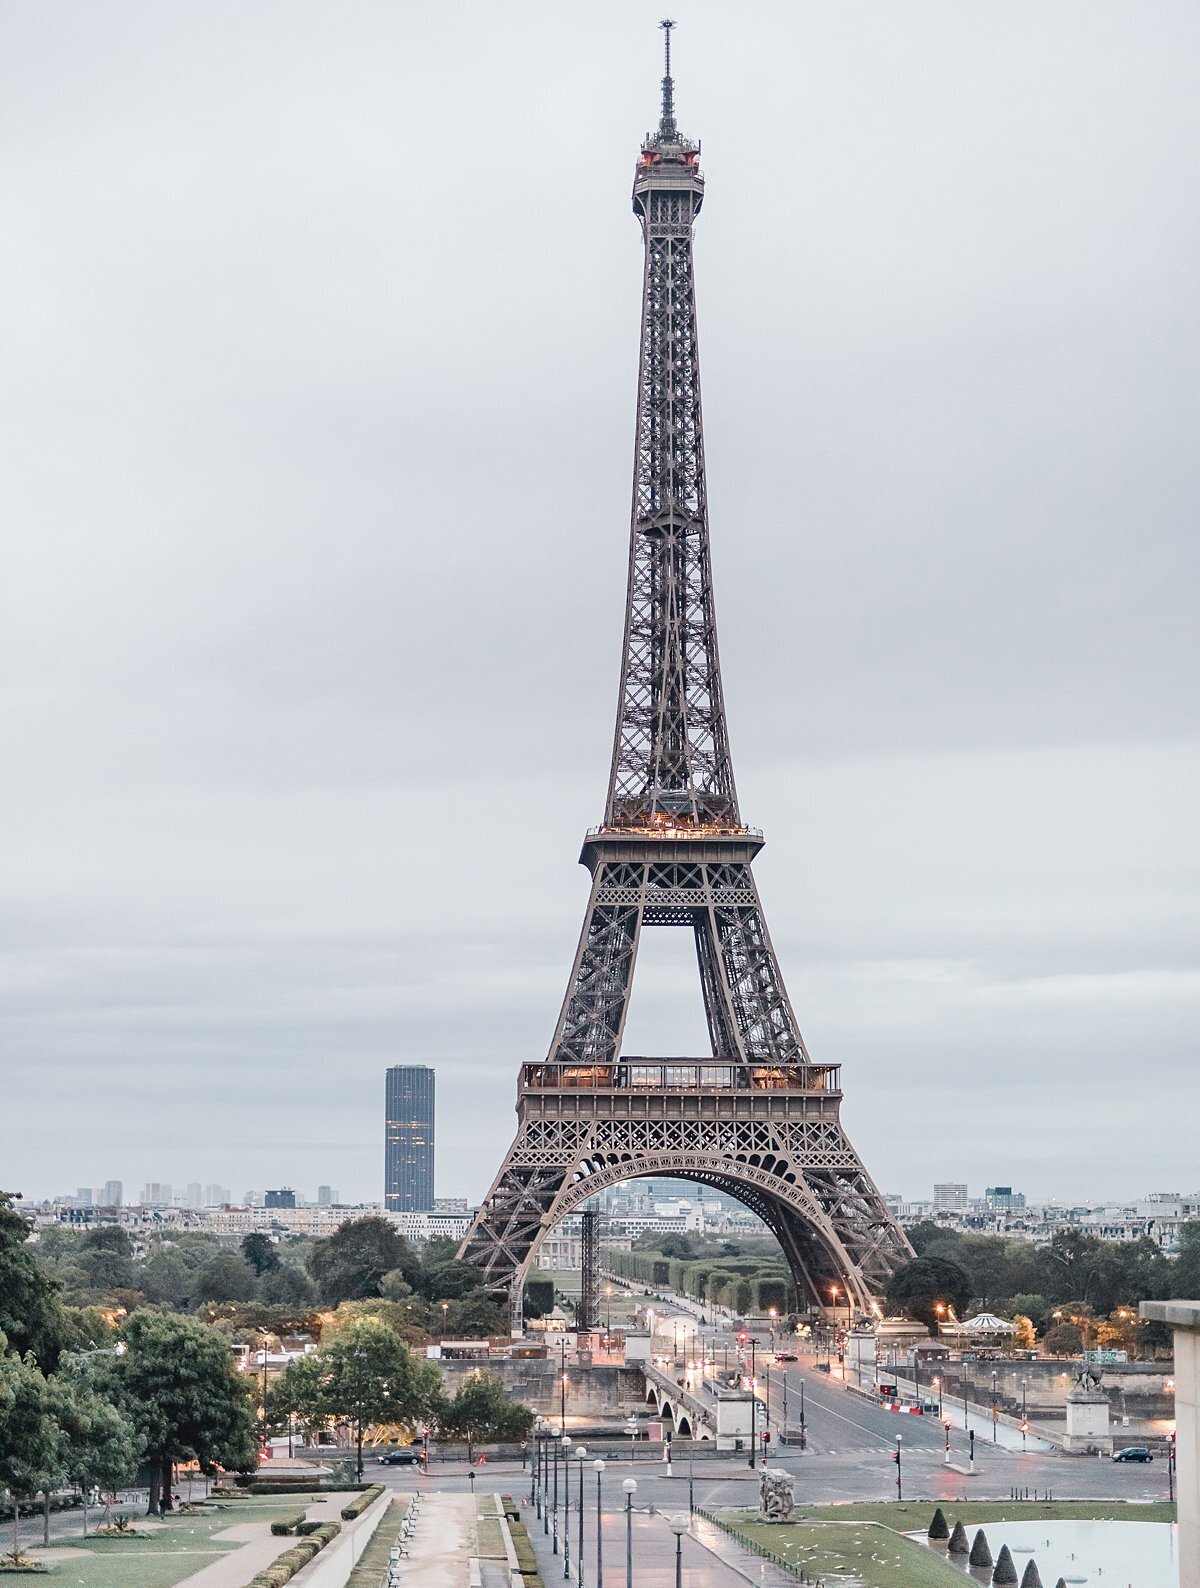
[405,1456]
[1133,1453]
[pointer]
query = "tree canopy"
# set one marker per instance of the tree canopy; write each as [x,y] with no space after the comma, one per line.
[179,1388]
[31,1316]
[918,1288]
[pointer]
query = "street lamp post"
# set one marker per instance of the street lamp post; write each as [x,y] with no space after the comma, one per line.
[995,1409]
[753,1401]
[946,1457]
[562,1388]
[803,1430]
[262,1357]
[937,1384]
[631,1430]
[553,1438]
[581,1453]
[537,1468]
[630,1487]
[899,1485]
[564,1442]
[598,1468]
[678,1526]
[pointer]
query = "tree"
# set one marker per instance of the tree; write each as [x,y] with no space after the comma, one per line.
[259,1251]
[677,1246]
[166,1277]
[1026,1336]
[1064,1339]
[285,1285]
[29,1436]
[108,1238]
[351,1264]
[918,1287]
[481,1409]
[539,1295]
[1185,1278]
[98,1445]
[475,1317]
[178,1386]
[105,1269]
[224,1277]
[366,1374]
[450,1281]
[30,1308]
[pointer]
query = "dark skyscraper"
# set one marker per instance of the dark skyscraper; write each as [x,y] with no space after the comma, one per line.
[408,1158]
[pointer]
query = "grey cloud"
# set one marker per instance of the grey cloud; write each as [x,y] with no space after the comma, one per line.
[320,337]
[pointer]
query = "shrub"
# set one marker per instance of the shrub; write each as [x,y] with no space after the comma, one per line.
[287,1524]
[282,1570]
[365,1499]
[280,1488]
[523,1549]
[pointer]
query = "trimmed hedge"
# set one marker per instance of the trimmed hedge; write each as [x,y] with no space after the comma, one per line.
[366,1499]
[304,1528]
[287,1524]
[282,1570]
[526,1560]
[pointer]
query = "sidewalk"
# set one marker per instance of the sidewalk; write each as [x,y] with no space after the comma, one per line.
[711,1559]
[443,1542]
[260,1547]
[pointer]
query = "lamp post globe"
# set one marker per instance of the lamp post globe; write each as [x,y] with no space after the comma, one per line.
[678,1526]
[598,1468]
[630,1487]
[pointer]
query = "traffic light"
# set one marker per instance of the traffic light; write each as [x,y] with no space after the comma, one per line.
[1024,1428]
[766,1436]
[896,1456]
[741,1339]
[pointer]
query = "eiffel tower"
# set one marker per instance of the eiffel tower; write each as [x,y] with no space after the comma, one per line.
[756,1117]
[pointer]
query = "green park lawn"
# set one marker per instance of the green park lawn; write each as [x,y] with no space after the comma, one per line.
[864,1540]
[169,1554]
[914,1516]
[865,1552]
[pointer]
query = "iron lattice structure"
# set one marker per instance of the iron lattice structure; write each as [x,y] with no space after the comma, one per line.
[587,1318]
[755,1117]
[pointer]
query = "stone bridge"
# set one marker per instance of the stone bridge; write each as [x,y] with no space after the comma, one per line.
[691,1416]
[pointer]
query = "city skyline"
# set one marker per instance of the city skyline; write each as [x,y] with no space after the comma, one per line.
[257,694]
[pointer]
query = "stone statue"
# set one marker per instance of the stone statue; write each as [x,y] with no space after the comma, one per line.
[1088,1378]
[777,1500]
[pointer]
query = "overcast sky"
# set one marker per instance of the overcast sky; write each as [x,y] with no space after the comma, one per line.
[319,343]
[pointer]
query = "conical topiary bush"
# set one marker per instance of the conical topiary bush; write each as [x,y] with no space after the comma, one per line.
[981,1555]
[937,1528]
[1031,1578]
[1005,1572]
[958,1540]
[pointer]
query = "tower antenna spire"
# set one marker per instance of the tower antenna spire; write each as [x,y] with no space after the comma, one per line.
[666,126]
